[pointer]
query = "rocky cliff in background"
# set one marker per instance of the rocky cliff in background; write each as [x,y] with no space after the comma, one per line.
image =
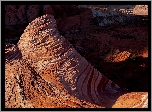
[68,17]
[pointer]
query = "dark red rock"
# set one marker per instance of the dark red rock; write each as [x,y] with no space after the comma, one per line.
[85,20]
[68,23]
[10,18]
[59,11]
[68,18]
[75,22]
[33,12]
[47,9]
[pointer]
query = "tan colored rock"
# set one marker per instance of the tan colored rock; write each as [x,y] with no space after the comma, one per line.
[49,48]
[132,100]
[140,10]
[25,89]
[41,78]
[14,94]
[19,76]
[115,55]
[52,74]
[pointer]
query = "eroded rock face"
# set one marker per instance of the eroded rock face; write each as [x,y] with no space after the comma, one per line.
[43,47]
[25,88]
[51,73]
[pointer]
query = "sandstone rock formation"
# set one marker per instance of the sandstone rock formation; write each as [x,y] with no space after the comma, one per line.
[27,89]
[48,72]
[140,10]
[132,100]
[17,18]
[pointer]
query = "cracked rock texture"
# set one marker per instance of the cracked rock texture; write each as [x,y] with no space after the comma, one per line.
[30,84]
[48,72]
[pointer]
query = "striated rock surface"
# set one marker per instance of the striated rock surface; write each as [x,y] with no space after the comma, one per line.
[27,89]
[49,53]
[49,72]
[12,53]
[26,86]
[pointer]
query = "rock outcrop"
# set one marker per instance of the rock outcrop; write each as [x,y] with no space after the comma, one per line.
[140,10]
[132,100]
[48,72]
[17,18]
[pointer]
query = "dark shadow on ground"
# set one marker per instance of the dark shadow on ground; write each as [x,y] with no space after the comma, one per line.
[131,74]
[96,42]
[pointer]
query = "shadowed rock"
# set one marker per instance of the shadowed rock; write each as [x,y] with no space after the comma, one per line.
[51,73]
[17,18]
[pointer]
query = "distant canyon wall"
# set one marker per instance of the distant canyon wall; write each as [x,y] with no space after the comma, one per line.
[68,17]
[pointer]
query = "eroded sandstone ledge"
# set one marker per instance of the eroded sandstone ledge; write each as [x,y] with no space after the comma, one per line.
[34,83]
